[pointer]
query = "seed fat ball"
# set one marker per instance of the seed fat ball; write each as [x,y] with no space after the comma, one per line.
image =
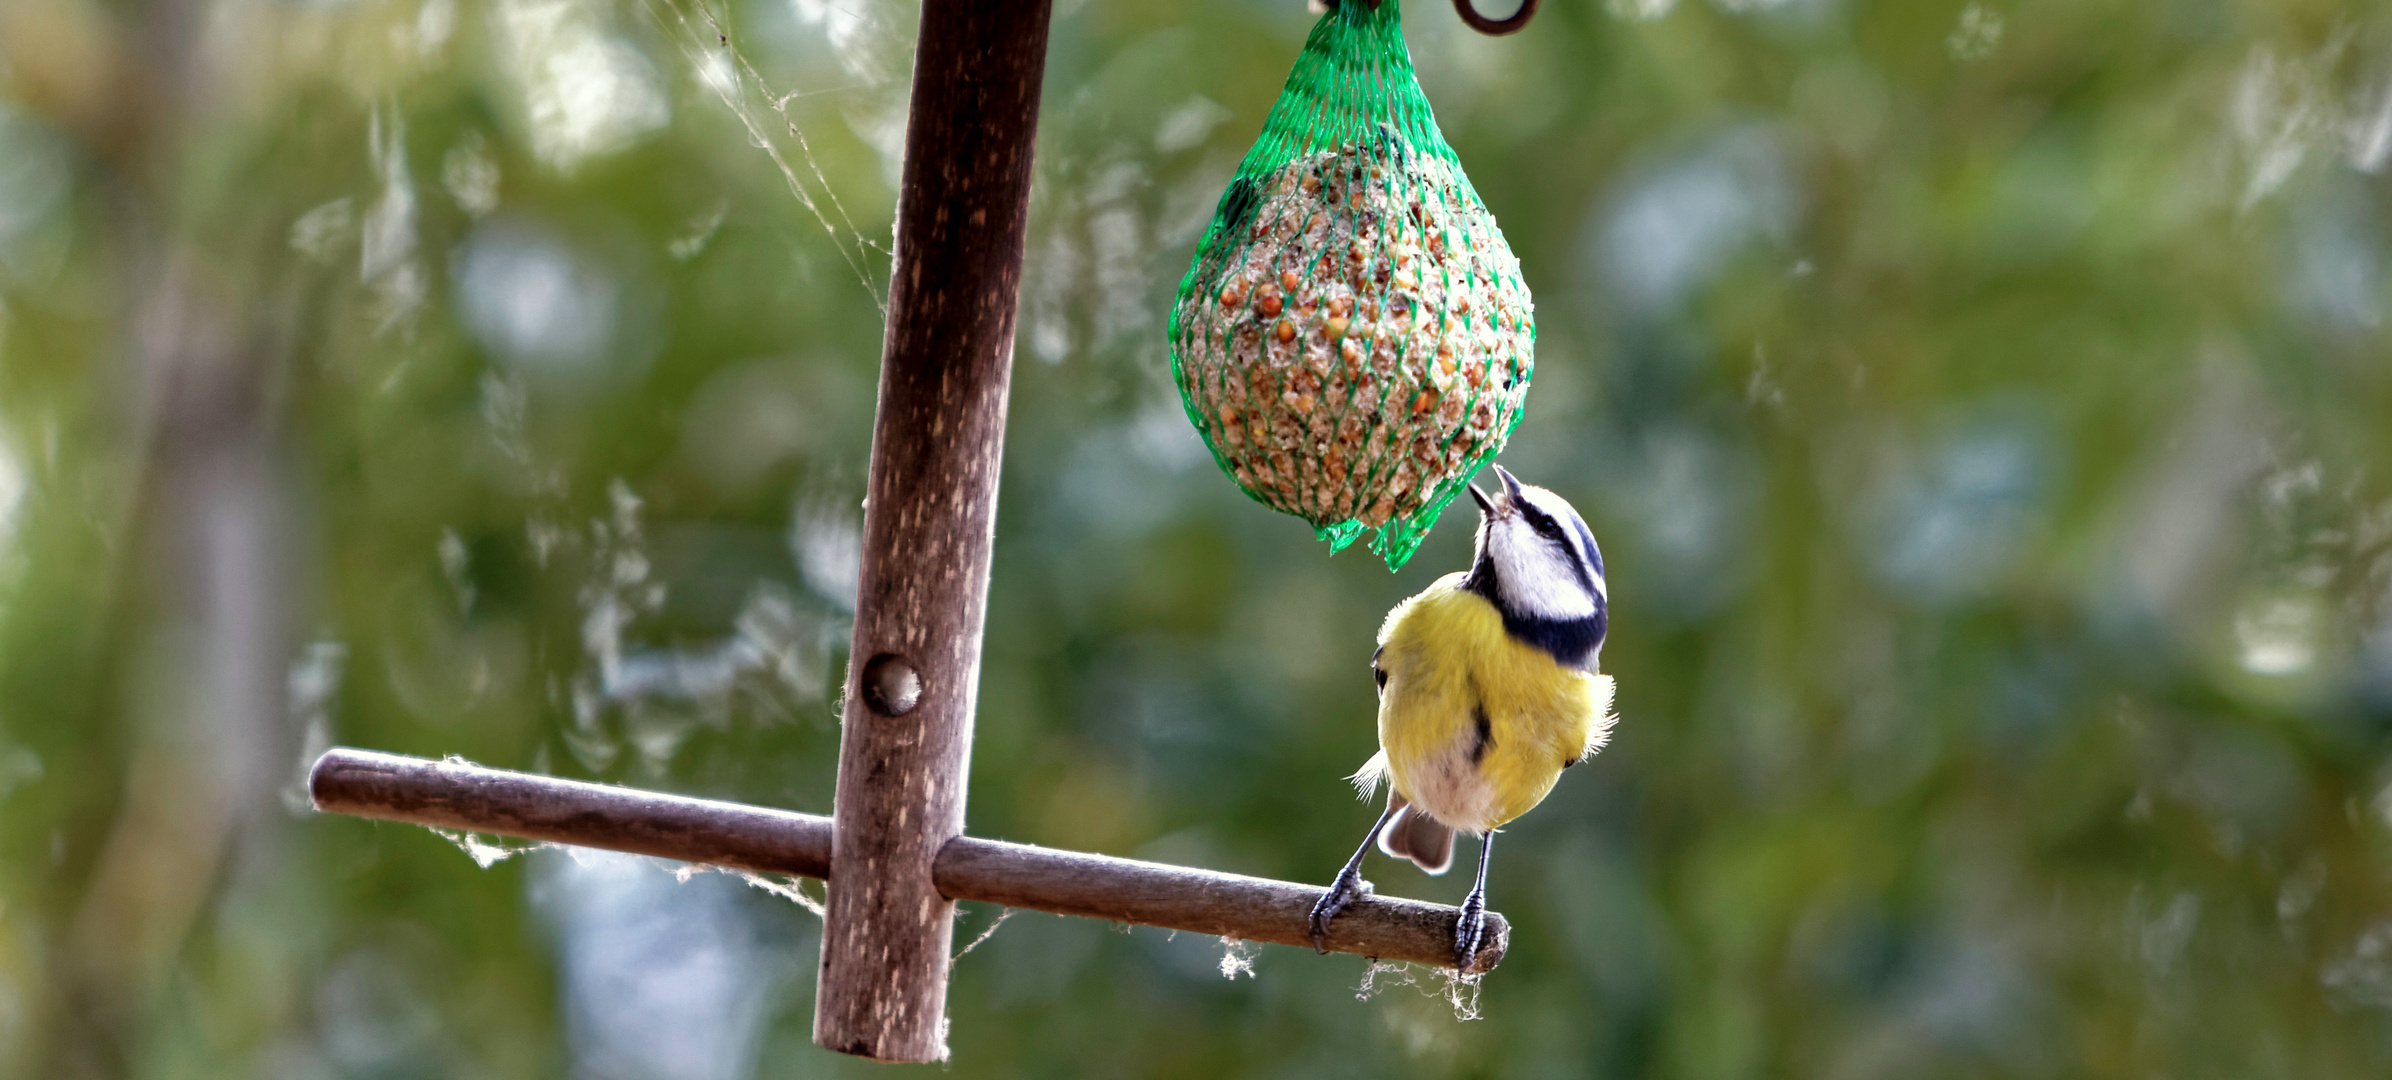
[1365,341]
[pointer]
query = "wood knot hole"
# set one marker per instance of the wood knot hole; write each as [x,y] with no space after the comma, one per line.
[891,685]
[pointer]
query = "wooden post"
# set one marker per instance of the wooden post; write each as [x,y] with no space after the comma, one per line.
[905,748]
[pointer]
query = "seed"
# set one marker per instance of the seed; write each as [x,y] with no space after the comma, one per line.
[1230,296]
[1287,280]
[1269,305]
[1285,332]
[1336,325]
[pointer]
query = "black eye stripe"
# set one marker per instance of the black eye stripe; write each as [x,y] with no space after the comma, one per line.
[1550,528]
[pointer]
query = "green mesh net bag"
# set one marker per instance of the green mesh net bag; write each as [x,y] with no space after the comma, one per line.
[1353,339]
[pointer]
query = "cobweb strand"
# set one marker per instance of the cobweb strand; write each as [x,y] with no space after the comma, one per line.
[1459,991]
[986,933]
[736,101]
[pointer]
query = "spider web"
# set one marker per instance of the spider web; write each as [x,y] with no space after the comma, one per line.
[704,39]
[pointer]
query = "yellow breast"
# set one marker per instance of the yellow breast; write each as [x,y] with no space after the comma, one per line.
[1448,663]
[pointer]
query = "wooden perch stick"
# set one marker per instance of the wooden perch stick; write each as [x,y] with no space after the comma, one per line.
[454,795]
[1203,901]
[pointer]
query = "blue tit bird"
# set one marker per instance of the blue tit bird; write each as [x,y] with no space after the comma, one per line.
[1488,689]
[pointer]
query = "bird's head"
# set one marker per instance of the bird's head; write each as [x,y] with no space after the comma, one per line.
[1536,559]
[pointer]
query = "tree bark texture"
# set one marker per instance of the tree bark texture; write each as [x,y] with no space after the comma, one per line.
[929,520]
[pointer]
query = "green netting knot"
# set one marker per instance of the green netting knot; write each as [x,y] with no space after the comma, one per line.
[1353,338]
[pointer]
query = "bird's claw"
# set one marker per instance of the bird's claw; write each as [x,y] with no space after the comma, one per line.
[1348,888]
[1469,932]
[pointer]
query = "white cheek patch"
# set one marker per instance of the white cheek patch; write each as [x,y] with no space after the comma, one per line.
[1536,578]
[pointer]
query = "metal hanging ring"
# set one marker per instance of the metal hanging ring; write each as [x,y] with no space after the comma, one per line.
[1495,27]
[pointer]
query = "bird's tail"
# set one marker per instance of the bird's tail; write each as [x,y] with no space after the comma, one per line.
[1413,835]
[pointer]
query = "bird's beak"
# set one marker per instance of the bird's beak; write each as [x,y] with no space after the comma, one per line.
[1488,505]
[1511,484]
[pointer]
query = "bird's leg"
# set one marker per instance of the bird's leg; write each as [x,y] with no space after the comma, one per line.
[1348,887]
[1470,930]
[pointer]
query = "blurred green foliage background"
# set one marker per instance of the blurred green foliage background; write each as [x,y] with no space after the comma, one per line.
[1985,407]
